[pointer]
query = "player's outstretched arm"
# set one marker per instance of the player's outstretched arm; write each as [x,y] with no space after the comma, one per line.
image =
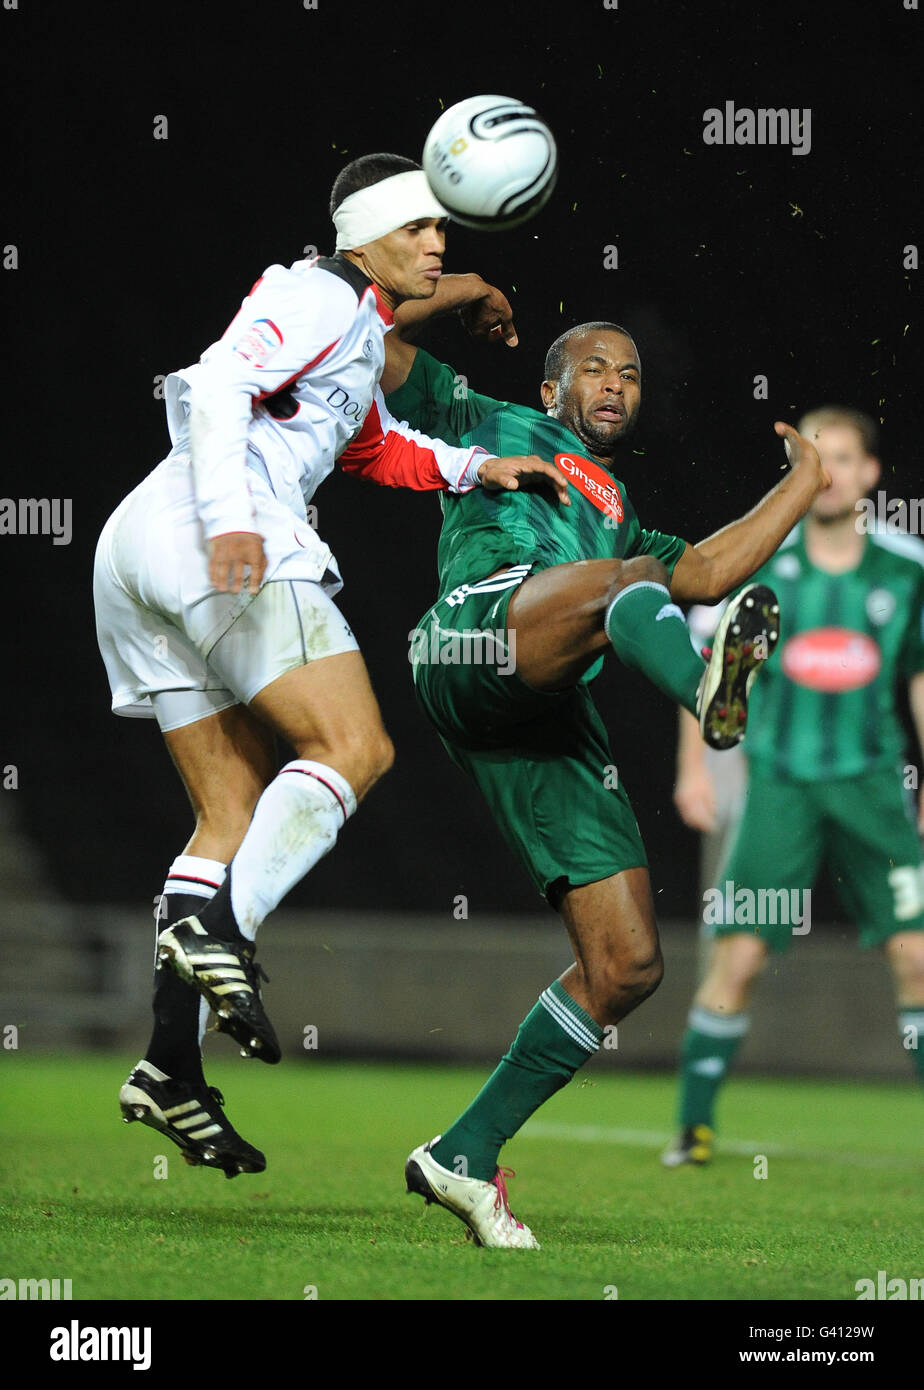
[483,309]
[389,452]
[708,571]
[523,470]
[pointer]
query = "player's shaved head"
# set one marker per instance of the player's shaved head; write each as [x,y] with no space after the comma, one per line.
[558,354]
[593,385]
[364,172]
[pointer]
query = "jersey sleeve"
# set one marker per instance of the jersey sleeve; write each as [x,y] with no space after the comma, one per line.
[389,452]
[286,326]
[667,549]
[436,399]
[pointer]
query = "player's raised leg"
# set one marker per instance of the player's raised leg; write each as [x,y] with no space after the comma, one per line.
[225,760]
[327,711]
[568,616]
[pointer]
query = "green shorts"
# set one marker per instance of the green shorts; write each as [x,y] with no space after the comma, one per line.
[541,760]
[859,827]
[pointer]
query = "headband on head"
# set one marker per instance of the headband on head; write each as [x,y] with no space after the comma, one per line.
[384,206]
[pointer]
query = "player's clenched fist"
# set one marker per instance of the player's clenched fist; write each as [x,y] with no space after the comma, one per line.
[490,316]
[802,453]
[528,469]
[233,553]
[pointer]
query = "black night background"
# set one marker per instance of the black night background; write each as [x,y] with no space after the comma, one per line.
[134,253]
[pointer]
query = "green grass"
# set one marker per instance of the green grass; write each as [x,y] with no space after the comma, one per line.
[842,1199]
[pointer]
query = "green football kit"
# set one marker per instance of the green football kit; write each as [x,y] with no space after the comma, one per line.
[825,746]
[542,760]
[825,785]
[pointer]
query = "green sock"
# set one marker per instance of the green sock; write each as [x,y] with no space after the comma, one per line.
[911,1027]
[650,634]
[555,1038]
[709,1047]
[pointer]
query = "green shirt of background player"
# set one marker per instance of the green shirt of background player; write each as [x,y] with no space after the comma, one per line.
[556,588]
[825,782]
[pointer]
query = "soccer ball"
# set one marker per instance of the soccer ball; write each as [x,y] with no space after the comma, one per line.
[491,161]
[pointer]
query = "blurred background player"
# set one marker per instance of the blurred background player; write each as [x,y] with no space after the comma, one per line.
[824,753]
[710,784]
[562,590]
[214,612]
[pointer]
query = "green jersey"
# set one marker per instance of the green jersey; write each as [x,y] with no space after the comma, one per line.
[484,530]
[824,706]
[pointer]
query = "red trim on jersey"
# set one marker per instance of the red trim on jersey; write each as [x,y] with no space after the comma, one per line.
[295,375]
[385,313]
[255,284]
[391,460]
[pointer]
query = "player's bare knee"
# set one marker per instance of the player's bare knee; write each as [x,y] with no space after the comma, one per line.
[746,959]
[622,984]
[382,757]
[644,569]
[906,957]
[646,973]
[373,755]
[362,756]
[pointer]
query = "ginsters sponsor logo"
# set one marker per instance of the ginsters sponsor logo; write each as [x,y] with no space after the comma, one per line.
[596,485]
[831,659]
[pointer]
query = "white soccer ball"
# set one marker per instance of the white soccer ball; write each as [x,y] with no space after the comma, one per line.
[491,161]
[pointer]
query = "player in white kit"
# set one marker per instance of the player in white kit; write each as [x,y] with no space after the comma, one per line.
[214,610]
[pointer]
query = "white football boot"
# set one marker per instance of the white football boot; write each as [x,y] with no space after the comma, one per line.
[483,1206]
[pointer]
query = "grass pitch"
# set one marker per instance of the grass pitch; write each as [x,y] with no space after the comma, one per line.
[79,1199]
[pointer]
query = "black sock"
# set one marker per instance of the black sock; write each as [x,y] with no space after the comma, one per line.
[174,1045]
[217,916]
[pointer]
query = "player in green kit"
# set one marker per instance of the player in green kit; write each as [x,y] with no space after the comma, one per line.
[825,782]
[532,594]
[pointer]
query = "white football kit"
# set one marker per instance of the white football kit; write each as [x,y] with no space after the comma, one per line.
[256,426]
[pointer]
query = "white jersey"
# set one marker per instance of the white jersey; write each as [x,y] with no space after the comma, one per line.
[288,387]
[256,426]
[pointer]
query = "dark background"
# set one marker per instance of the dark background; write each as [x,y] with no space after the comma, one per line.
[136,252]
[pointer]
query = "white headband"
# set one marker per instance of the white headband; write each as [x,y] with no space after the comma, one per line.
[384,206]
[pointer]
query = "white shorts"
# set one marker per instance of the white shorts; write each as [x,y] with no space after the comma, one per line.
[176,649]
